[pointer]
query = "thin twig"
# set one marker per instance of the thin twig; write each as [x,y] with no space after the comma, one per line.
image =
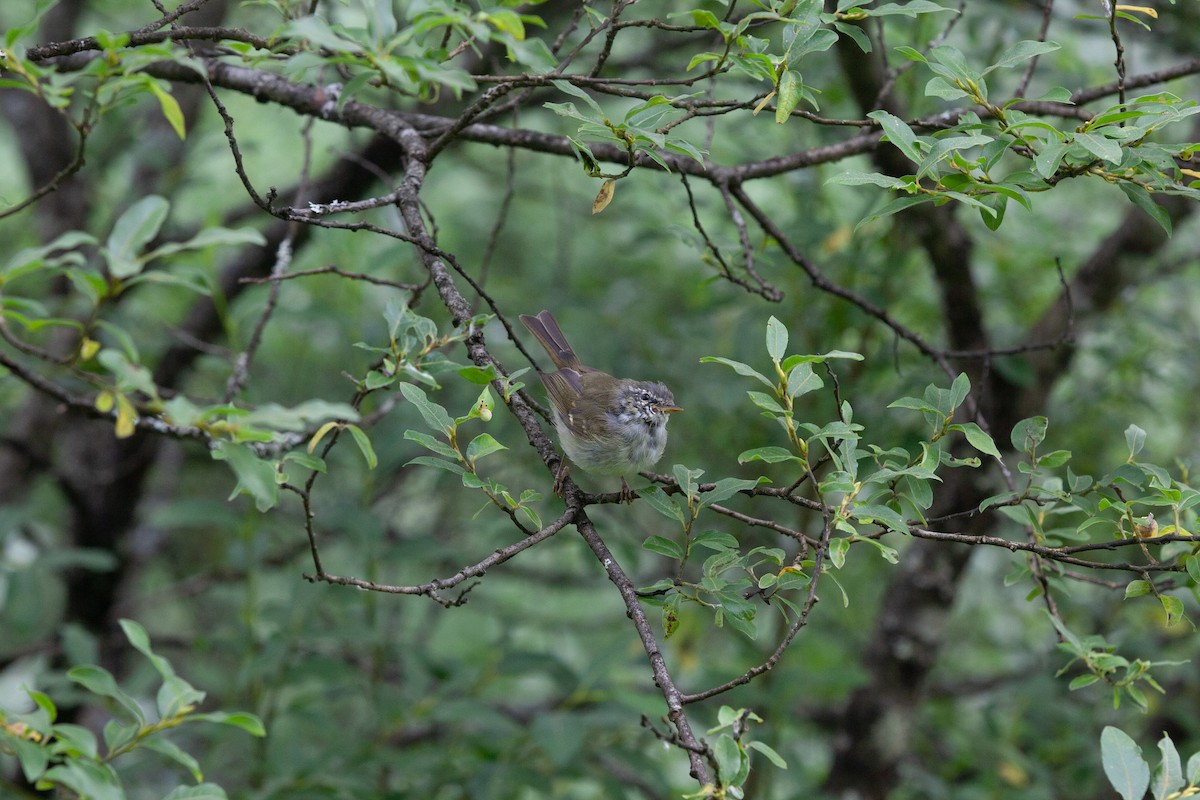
[1027,76]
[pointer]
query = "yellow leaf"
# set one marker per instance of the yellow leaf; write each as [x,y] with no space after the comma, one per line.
[170,108]
[1171,530]
[1013,774]
[838,240]
[126,417]
[763,103]
[607,189]
[88,349]
[1149,12]
[320,434]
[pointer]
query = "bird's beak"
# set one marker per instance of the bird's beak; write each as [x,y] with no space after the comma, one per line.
[669,409]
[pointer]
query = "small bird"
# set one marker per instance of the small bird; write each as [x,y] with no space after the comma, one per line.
[1147,529]
[606,425]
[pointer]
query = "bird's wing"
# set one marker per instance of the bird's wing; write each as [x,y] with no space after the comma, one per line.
[575,407]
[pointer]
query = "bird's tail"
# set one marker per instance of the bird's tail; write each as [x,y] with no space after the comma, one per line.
[545,329]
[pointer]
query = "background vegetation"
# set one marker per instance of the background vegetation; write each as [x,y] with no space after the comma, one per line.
[270,446]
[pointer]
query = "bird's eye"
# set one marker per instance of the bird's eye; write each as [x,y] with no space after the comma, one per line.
[646,396]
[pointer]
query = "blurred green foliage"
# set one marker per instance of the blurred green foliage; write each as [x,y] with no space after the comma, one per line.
[537,687]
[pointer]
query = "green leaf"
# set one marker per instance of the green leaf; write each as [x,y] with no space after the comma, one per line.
[1022,51]
[944,146]
[176,696]
[910,9]
[1055,458]
[771,755]
[1124,765]
[1029,433]
[788,97]
[132,231]
[1169,777]
[1193,769]
[890,554]
[434,415]
[666,505]
[715,540]
[664,546]
[791,361]
[685,147]
[959,390]
[438,463]
[899,134]
[1137,589]
[79,738]
[912,54]
[837,551]
[43,701]
[170,107]
[477,375]
[818,41]
[300,417]
[100,681]
[430,443]
[1049,157]
[255,476]
[1142,199]
[482,445]
[209,237]
[531,516]
[87,779]
[248,722]
[167,748]
[739,368]
[571,89]
[913,403]
[118,734]
[871,512]
[203,791]
[770,454]
[130,376]
[1101,147]
[140,640]
[766,402]
[364,444]
[802,380]
[726,488]
[317,31]
[728,756]
[1191,563]
[978,438]
[726,716]
[777,339]
[893,207]
[507,21]
[858,178]
[1135,694]
[1173,606]
[662,586]
[688,480]
[1135,440]
[36,258]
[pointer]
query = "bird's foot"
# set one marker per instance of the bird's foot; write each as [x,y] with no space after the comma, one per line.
[560,477]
